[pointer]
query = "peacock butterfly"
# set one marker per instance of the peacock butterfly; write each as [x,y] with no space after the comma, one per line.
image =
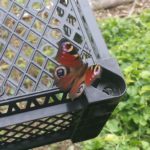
[73,74]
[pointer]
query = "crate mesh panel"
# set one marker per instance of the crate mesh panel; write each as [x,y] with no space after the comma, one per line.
[29,36]
[33,103]
[29,130]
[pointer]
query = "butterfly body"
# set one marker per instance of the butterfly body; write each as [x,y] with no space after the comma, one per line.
[73,74]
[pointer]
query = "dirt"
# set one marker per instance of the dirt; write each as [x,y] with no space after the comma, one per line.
[65,145]
[123,10]
[120,11]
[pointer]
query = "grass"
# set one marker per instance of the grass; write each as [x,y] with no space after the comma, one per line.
[129,127]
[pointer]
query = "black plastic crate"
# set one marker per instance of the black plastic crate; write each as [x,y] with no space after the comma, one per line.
[33,111]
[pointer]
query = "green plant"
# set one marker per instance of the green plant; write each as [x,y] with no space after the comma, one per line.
[129,126]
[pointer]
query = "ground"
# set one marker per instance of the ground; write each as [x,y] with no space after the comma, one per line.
[120,11]
[123,10]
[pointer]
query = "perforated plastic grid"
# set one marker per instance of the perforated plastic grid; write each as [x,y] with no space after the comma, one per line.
[29,33]
[36,128]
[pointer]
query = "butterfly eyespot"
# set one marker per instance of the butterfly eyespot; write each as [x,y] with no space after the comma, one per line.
[60,72]
[97,70]
[68,47]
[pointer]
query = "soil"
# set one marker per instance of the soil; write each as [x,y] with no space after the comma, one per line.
[123,10]
[120,11]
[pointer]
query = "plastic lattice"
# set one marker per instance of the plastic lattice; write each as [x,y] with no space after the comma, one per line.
[29,33]
[45,126]
[32,103]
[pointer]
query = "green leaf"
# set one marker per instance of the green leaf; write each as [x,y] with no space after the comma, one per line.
[113,126]
[129,41]
[145,74]
[145,145]
[145,89]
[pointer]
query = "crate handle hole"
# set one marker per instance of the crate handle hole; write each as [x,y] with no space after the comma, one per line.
[64,2]
[108,91]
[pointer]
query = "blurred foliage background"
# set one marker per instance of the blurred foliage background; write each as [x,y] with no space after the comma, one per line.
[129,127]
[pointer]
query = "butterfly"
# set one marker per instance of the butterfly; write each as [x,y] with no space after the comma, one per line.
[73,74]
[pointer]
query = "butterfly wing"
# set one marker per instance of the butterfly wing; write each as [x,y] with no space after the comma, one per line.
[92,73]
[77,88]
[70,60]
[73,75]
[87,78]
[67,55]
[72,80]
[63,79]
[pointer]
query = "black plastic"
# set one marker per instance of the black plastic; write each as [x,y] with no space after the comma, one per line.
[33,111]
